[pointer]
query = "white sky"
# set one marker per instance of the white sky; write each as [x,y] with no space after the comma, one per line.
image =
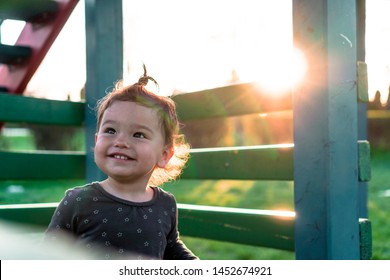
[196,45]
[378,47]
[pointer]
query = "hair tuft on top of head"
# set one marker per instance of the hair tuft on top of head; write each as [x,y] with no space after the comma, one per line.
[144,79]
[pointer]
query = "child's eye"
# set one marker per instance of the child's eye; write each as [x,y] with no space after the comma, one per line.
[139,135]
[109,130]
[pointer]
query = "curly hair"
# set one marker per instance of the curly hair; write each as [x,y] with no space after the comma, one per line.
[165,108]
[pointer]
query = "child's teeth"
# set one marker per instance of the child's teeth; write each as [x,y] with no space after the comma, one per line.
[120,157]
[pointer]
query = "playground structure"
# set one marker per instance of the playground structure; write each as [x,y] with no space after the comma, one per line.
[328,162]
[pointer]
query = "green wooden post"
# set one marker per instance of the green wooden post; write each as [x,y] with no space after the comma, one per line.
[104,47]
[362,105]
[325,132]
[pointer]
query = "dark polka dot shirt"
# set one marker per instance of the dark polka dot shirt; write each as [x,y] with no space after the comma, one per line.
[108,227]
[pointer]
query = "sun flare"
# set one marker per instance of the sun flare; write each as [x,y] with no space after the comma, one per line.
[276,71]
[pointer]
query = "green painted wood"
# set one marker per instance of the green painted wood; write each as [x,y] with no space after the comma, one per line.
[237,163]
[22,109]
[27,10]
[362,106]
[14,54]
[223,163]
[104,63]
[273,229]
[270,162]
[362,82]
[265,228]
[364,155]
[326,185]
[35,214]
[41,165]
[365,231]
[234,100]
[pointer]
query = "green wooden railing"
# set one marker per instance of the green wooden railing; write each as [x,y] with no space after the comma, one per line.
[267,228]
[273,229]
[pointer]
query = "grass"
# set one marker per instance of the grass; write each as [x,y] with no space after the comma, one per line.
[379,204]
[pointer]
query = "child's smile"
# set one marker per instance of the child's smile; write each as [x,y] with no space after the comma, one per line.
[121,156]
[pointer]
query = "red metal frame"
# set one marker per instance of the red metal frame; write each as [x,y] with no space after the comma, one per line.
[40,39]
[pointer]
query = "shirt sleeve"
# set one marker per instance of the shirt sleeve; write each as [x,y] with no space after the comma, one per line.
[179,251]
[62,222]
[176,249]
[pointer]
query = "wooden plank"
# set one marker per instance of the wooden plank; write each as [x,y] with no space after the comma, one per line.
[270,162]
[41,165]
[27,10]
[234,163]
[273,229]
[104,49]
[362,88]
[265,228]
[16,108]
[362,82]
[14,54]
[35,214]
[326,190]
[234,100]
[365,231]
[364,165]
[223,163]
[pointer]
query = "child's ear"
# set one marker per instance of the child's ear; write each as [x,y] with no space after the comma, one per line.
[166,156]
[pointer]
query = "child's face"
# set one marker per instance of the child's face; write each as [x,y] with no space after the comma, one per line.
[130,143]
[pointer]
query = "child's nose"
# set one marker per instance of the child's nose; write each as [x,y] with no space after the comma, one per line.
[122,141]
